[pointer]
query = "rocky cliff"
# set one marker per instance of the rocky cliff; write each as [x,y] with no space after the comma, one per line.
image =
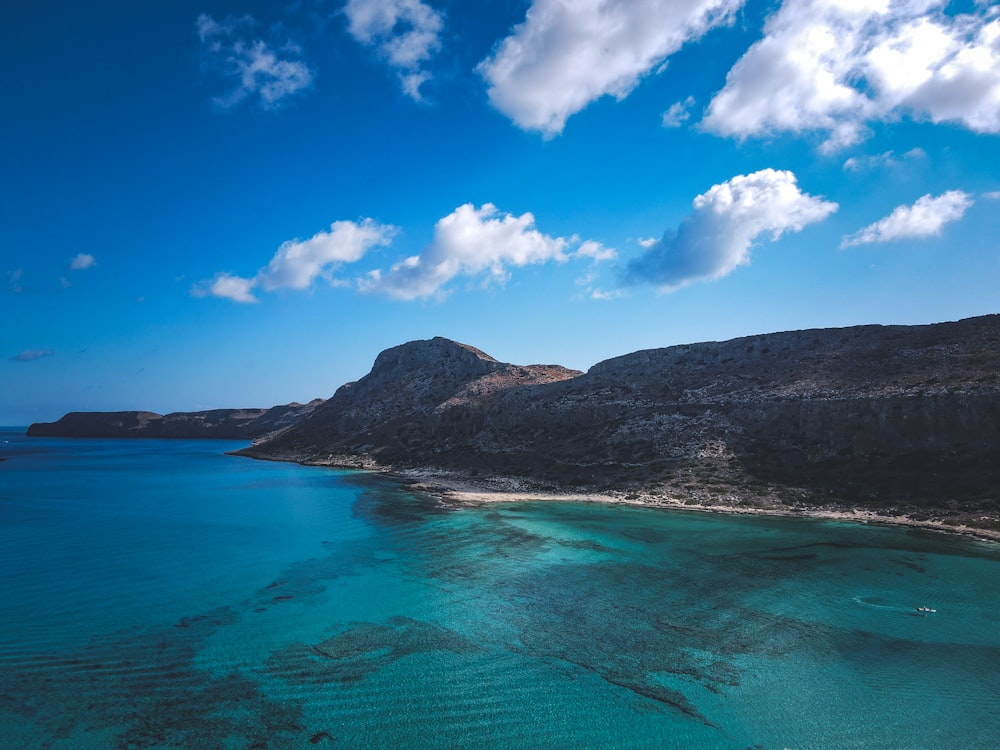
[870,415]
[420,402]
[222,424]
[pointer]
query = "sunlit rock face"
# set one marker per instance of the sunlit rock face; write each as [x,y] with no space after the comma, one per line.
[871,414]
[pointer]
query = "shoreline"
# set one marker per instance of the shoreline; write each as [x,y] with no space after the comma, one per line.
[456,489]
[461,489]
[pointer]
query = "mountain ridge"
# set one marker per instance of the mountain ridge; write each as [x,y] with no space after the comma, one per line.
[878,416]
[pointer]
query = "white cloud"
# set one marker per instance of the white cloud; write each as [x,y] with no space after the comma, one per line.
[718,235]
[885,159]
[832,66]
[647,242]
[255,68]
[600,294]
[993,195]
[82,261]
[598,254]
[864,163]
[678,113]
[925,218]
[471,242]
[568,53]
[406,33]
[226,286]
[297,263]
[595,251]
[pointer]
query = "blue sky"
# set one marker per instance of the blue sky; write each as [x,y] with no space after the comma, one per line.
[240,203]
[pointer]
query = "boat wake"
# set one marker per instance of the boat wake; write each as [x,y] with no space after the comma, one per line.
[875,602]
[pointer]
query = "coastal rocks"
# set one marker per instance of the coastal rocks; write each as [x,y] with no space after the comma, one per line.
[221,424]
[871,415]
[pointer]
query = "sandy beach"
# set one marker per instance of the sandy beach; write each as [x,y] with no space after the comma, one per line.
[462,490]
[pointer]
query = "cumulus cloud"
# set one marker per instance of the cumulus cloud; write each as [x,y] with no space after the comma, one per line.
[82,261]
[475,242]
[678,113]
[568,53]
[832,66]
[256,69]
[925,218]
[406,33]
[298,263]
[30,355]
[718,235]
[226,286]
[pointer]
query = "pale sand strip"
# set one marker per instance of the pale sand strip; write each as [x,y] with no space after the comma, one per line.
[460,490]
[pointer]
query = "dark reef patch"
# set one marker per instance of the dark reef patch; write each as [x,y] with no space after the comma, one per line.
[148,691]
[362,649]
[386,505]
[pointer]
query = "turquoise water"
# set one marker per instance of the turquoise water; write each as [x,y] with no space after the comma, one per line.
[159,594]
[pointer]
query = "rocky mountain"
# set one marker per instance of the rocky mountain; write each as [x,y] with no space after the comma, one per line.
[222,424]
[411,407]
[873,415]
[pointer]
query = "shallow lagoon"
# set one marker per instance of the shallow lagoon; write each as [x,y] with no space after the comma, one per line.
[160,594]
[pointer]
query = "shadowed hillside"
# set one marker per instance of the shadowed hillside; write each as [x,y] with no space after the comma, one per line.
[871,415]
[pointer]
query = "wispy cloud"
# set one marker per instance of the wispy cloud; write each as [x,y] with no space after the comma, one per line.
[678,113]
[82,261]
[925,218]
[14,280]
[30,355]
[568,53]
[406,34]
[255,69]
[603,295]
[476,242]
[298,263]
[887,159]
[727,220]
[597,252]
[832,66]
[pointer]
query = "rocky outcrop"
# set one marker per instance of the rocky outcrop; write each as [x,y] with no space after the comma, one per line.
[420,401]
[222,424]
[876,415]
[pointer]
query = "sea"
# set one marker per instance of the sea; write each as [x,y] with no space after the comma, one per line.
[163,594]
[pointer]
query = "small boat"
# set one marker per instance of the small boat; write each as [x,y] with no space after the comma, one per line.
[925,609]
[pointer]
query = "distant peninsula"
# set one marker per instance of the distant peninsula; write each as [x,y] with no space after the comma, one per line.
[890,422]
[219,424]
